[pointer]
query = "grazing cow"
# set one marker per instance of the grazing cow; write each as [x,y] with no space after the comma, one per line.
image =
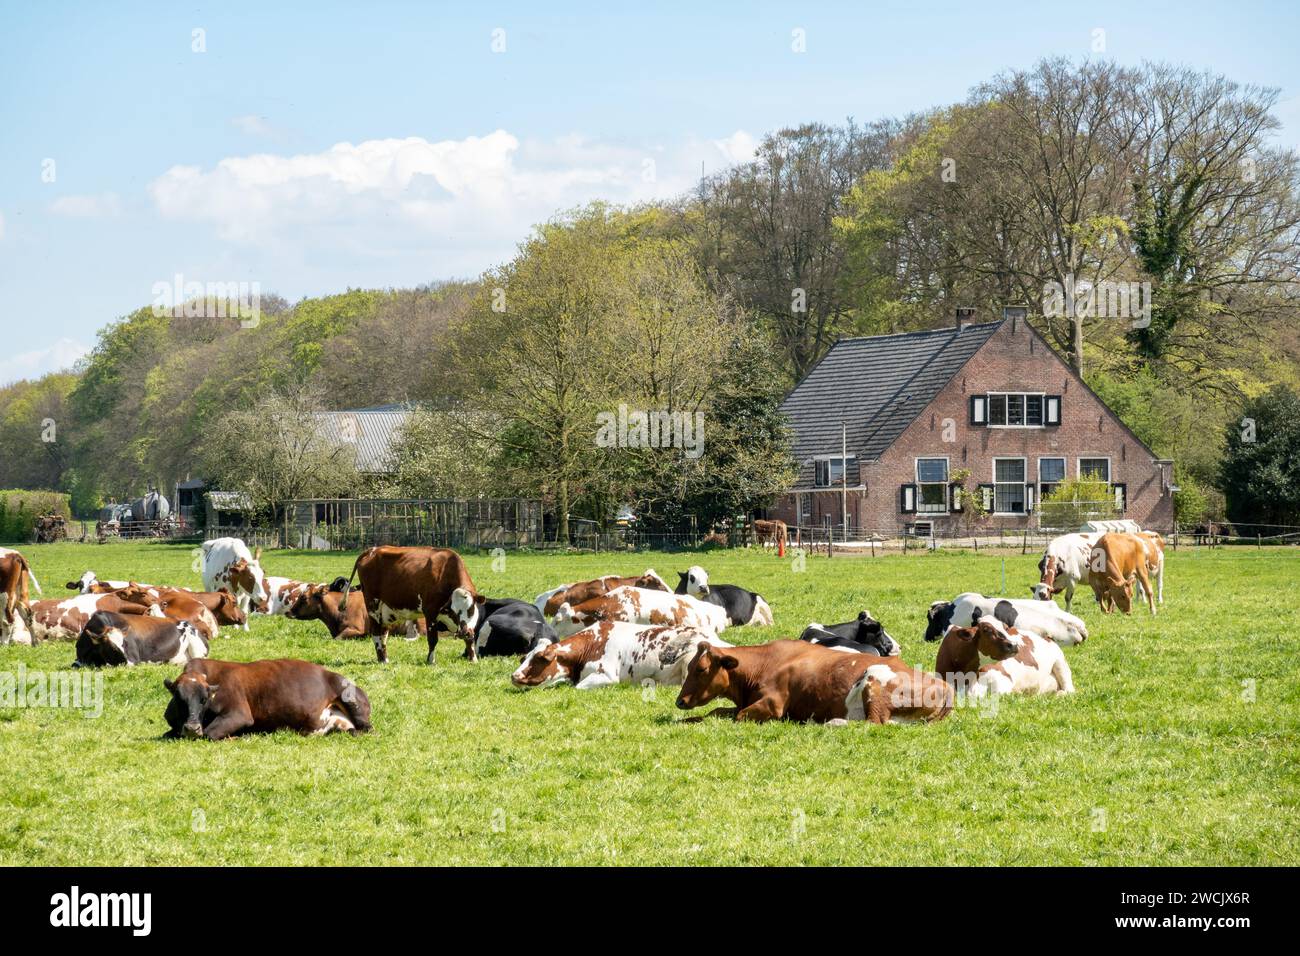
[796,680]
[228,564]
[219,699]
[1041,617]
[639,606]
[1117,558]
[866,635]
[410,584]
[89,583]
[509,627]
[110,639]
[613,652]
[323,602]
[62,619]
[742,607]
[548,602]
[15,599]
[769,531]
[990,659]
[1063,565]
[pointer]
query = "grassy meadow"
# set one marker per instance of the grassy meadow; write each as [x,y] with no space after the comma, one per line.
[1182,746]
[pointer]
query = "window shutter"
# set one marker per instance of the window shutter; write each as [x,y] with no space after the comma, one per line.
[954,497]
[907,499]
[1121,497]
[979,410]
[986,497]
[1052,410]
[1029,497]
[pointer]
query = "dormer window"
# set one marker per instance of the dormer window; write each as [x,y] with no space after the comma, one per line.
[829,472]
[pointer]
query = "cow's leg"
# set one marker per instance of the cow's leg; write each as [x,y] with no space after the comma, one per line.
[598,678]
[1069,595]
[246,605]
[431,627]
[1147,589]
[759,711]
[228,722]
[1064,678]
[377,631]
[1160,579]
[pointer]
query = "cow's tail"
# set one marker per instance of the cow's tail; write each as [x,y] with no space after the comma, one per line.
[347,585]
[28,568]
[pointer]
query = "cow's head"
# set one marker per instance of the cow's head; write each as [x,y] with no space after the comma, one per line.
[247,576]
[192,697]
[308,604]
[651,581]
[227,610]
[1048,568]
[84,584]
[872,633]
[544,666]
[460,614]
[708,676]
[137,594]
[988,639]
[694,581]
[939,618]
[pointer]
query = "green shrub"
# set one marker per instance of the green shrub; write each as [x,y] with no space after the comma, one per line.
[19,510]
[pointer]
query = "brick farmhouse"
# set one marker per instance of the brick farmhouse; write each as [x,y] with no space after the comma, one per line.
[992,398]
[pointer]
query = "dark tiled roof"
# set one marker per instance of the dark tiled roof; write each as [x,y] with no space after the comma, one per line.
[876,386]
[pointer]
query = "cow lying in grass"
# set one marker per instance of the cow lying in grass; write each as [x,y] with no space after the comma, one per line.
[742,607]
[508,627]
[990,659]
[110,639]
[219,699]
[640,606]
[865,635]
[548,602]
[1041,617]
[324,603]
[613,652]
[796,680]
[206,610]
[62,619]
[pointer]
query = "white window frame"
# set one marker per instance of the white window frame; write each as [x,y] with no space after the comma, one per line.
[947,484]
[1078,467]
[988,409]
[829,458]
[1024,471]
[1065,471]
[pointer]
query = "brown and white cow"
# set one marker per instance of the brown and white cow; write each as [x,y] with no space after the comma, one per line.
[218,699]
[323,602]
[180,605]
[281,592]
[15,598]
[89,583]
[229,565]
[412,584]
[62,619]
[1117,559]
[796,680]
[992,658]
[640,606]
[548,602]
[613,652]
[110,639]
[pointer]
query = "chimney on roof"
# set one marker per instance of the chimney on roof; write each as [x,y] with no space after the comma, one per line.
[965,316]
[1016,313]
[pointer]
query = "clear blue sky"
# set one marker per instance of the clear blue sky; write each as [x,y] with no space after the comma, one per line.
[316,146]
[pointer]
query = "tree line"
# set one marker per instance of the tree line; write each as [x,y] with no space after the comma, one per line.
[1044,186]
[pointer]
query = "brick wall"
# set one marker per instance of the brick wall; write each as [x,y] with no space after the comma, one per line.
[1015,359]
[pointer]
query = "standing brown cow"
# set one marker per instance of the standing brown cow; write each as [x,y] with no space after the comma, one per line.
[1116,560]
[411,584]
[774,531]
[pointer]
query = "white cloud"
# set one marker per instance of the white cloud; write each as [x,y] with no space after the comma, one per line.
[738,147]
[254,125]
[61,355]
[466,201]
[87,207]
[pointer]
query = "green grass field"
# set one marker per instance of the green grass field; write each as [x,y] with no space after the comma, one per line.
[1181,747]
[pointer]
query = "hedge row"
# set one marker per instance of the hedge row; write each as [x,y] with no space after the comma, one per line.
[19,510]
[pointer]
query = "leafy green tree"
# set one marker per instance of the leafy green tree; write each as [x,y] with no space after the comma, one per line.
[1260,473]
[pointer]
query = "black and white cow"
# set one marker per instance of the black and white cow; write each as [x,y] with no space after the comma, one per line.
[865,635]
[110,639]
[742,607]
[1042,617]
[508,626]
